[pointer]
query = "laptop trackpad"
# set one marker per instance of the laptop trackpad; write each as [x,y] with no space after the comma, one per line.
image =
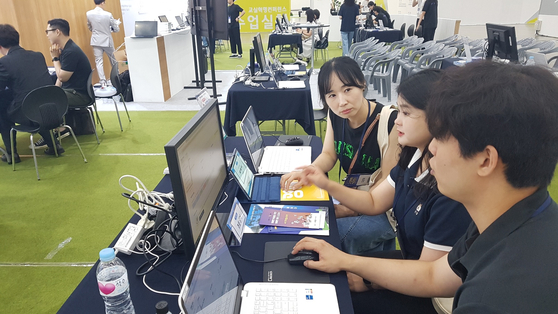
[282,271]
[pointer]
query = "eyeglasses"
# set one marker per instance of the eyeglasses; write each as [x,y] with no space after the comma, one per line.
[50,30]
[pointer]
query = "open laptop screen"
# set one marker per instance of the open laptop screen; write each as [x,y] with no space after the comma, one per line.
[213,284]
[145,29]
[253,137]
[242,174]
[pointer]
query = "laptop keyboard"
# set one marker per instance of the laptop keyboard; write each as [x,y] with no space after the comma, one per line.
[282,160]
[275,301]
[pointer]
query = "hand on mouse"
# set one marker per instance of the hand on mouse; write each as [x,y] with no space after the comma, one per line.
[331,259]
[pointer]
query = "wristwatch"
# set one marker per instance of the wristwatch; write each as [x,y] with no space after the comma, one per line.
[55,59]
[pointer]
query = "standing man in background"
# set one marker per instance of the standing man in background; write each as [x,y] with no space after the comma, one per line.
[235,13]
[348,13]
[429,19]
[419,4]
[101,24]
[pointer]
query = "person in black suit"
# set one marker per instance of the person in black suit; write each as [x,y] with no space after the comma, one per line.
[21,71]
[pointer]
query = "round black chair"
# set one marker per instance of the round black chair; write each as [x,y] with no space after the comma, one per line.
[411,30]
[45,106]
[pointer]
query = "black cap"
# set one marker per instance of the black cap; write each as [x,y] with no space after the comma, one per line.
[162,307]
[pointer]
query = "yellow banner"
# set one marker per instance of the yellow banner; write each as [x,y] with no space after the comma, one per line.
[260,15]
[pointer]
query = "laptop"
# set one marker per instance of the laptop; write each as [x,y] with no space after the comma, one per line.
[213,285]
[271,159]
[145,29]
[259,189]
[287,84]
[163,19]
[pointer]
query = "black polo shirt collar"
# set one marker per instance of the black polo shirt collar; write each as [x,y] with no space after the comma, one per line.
[476,245]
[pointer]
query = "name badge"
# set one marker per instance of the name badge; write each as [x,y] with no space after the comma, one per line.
[355,180]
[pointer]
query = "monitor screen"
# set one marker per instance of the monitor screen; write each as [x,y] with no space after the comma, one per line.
[213,283]
[501,42]
[259,51]
[198,171]
[180,21]
[279,25]
[163,18]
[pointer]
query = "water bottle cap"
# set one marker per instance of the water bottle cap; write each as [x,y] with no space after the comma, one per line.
[107,254]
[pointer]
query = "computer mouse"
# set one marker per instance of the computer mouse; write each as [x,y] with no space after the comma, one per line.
[301,256]
[294,141]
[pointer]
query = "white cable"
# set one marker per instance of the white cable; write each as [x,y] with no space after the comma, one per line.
[143,194]
[159,292]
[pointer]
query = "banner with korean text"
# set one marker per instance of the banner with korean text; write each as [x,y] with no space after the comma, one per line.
[260,15]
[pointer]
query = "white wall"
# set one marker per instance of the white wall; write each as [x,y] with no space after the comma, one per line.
[475,12]
[148,10]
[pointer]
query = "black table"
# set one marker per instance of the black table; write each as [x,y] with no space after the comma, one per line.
[387,35]
[86,299]
[269,103]
[284,39]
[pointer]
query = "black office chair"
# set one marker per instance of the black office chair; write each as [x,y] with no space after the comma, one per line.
[117,91]
[403,30]
[322,45]
[93,104]
[321,116]
[46,107]
[411,30]
[418,32]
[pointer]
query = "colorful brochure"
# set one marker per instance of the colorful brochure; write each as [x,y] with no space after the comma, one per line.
[257,211]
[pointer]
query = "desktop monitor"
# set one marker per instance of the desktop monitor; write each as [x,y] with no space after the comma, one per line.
[163,19]
[279,25]
[501,42]
[259,52]
[286,20]
[198,171]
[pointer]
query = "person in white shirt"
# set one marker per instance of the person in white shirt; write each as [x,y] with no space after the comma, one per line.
[419,4]
[102,24]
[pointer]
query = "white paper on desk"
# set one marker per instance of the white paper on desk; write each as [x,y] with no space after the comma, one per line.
[291,67]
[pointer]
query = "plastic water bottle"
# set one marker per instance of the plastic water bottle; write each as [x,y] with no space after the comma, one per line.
[530,61]
[112,279]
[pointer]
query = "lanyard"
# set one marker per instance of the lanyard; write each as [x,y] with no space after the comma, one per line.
[542,207]
[340,156]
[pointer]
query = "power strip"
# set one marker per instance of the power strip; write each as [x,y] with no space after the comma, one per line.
[129,238]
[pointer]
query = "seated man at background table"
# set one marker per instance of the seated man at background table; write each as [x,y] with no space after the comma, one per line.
[71,65]
[371,5]
[495,150]
[21,71]
[380,16]
[70,62]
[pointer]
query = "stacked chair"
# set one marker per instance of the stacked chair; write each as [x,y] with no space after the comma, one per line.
[380,62]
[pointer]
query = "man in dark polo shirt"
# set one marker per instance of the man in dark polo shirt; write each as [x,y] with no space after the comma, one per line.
[71,63]
[495,150]
[21,71]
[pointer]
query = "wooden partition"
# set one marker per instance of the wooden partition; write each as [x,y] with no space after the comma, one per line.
[30,18]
